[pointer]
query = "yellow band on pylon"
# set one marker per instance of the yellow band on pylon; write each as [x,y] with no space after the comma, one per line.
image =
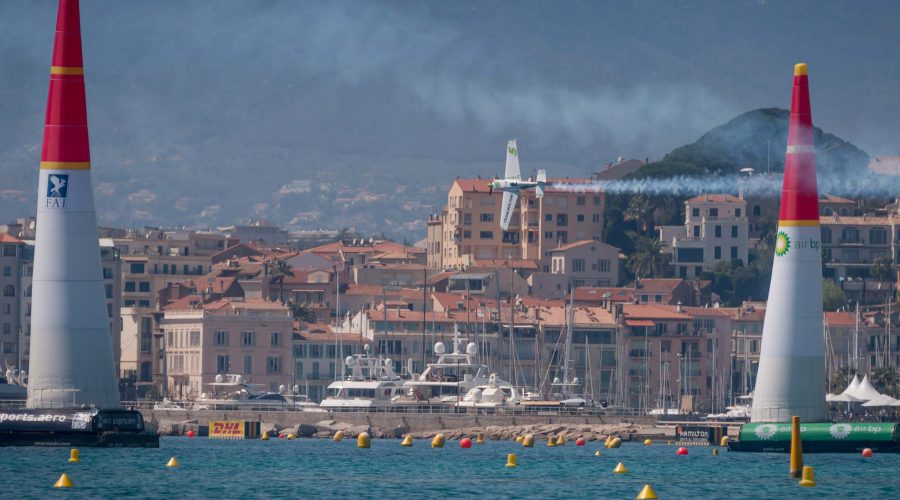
[65,165]
[795,223]
[66,70]
[799,69]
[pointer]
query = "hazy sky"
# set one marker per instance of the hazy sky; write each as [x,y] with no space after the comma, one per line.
[576,82]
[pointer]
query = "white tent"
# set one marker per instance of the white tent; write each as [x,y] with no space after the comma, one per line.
[882,400]
[865,391]
[841,398]
[853,385]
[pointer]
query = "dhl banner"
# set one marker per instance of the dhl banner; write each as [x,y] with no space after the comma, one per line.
[233,429]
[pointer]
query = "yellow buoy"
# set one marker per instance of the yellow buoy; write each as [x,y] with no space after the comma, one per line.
[607,441]
[808,479]
[620,469]
[73,456]
[796,448]
[407,441]
[528,441]
[647,493]
[363,440]
[715,452]
[173,462]
[615,443]
[63,481]
[551,441]
[265,436]
[560,441]
[598,454]
[292,436]
[338,436]
[724,441]
[511,460]
[519,439]
[647,442]
[480,438]
[438,441]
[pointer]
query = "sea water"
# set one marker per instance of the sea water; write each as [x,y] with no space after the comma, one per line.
[315,468]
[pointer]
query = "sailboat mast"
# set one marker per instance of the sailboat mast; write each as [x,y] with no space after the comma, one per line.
[569,321]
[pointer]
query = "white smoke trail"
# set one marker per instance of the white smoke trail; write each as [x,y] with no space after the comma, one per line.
[867,185]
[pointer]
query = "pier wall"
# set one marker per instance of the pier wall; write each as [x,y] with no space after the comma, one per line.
[411,422]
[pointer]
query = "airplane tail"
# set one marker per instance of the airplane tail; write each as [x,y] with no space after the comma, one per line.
[541,182]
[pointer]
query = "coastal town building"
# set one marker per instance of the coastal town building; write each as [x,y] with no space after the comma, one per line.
[205,338]
[468,227]
[715,230]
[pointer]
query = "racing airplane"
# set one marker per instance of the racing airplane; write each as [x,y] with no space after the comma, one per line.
[512,183]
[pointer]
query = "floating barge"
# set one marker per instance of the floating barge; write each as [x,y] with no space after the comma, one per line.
[75,427]
[849,437]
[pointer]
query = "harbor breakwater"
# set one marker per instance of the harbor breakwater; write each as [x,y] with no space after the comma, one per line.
[419,425]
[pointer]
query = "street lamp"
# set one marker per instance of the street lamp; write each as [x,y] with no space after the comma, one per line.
[680,382]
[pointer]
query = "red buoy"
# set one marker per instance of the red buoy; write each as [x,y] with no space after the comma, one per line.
[579,442]
[465,443]
[681,451]
[189,434]
[867,452]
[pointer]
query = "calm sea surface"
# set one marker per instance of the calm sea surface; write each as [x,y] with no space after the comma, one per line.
[311,468]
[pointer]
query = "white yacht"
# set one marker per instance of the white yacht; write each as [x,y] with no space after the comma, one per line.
[372,383]
[232,392]
[13,388]
[495,394]
[447,381]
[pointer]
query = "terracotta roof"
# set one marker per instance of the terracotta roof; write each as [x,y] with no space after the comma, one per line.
[725,312]
[364,290]
[323,332]
[591,294]
[8,238]
[657,312]
[505,263]
[474,185]
[658,285]
[576,244]
[843,318]
[557,315]
[194,302]
[715,198]
[830,198]
[859,220]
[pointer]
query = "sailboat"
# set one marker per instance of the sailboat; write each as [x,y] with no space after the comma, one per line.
[567,391]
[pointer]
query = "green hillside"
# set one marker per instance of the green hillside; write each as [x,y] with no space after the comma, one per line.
[754,139]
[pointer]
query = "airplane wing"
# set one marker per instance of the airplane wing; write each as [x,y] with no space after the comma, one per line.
[512,161]
[509,204]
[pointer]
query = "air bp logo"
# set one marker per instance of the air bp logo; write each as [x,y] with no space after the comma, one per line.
[782,243]
[57,191]
[766,431]
[840,431]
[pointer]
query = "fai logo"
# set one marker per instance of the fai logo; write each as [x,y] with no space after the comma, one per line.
[782,243]
[57,191]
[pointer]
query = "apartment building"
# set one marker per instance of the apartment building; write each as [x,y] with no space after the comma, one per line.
[676,357]
[468,228]
[250,337]
[12,296]
[851,245]
[715,230]
[319,355]
[580,263]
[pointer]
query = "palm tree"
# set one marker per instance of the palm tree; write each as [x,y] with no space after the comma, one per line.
[279,270]
[885,380]
[302,312]
[647,259]
[639,211]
